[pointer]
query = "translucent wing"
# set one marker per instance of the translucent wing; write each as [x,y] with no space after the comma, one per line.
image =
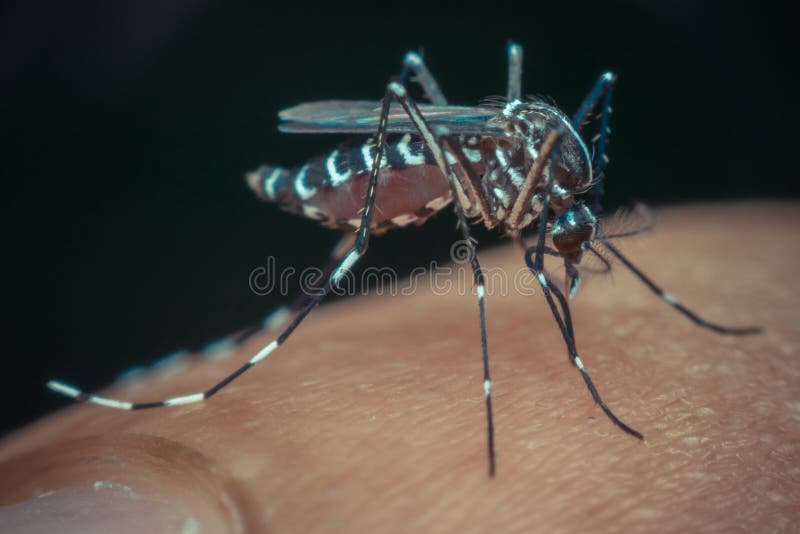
[361,116]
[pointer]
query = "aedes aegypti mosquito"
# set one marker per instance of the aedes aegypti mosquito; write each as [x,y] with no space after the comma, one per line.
[506,164]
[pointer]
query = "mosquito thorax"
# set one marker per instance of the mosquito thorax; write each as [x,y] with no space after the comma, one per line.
[530,122]
[573,229]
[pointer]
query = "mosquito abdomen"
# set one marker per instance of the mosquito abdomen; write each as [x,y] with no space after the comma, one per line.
[332,189]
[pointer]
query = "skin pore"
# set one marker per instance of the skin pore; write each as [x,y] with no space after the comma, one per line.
[371,418]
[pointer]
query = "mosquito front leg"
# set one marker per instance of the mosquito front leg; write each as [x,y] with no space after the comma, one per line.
[603,88]
[672,301]
[342,269]
[536,265]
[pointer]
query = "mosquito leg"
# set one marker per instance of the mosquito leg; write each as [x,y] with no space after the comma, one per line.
[280,316]
[567,316]
[514,86]
[601,158]
[436,143]
[342,269]
[565,325]
[413,63]
[672,301]
[603,88]
[536,265]
[573,279]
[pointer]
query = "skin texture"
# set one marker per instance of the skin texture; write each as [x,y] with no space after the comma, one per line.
[370,418]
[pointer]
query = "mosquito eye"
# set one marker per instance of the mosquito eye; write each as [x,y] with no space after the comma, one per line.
[574,227]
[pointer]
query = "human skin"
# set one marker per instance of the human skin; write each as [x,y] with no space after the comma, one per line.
[371,418]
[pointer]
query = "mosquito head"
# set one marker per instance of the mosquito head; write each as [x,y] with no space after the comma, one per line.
[574,230]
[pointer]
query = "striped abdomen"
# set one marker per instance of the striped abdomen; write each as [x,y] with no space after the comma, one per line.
[332,189]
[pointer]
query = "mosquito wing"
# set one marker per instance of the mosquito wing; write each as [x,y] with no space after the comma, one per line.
[361,116]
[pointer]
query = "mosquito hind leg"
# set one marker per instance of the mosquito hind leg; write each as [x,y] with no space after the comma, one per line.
[342,269]
[413,63]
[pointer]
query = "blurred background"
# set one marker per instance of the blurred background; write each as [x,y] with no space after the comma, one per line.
[127,127]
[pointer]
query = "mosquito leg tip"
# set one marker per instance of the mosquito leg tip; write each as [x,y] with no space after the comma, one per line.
[630,431]
[750,330]
[397,89]
[412,59]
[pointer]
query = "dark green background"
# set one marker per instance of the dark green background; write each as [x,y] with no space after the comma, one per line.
[126,129]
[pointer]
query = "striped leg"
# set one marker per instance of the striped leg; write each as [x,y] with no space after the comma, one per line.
[536,265]
[672,301]
[283,314]
[603,88]
[341,270]
[413,63]
[436,143]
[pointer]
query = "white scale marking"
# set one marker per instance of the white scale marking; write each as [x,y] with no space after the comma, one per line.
[501,195]
[481,291]
[263,353]
[560,191]
[313,213]
[516,178]
[397,89]
[402,220]
[487,388]
[186,399]
[64,389]
[669,298]
[532,152]
[345,266]
[110,403]
[277,318]
[473,155]
[405,151]
[438,203]
[579,363]
[574,289]
[511,108]
[303,191]
[542,279]
[412,59]
[337,178]
[271,181]
[369,158]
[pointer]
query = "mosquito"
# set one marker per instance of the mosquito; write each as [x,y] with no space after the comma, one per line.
[511,164]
